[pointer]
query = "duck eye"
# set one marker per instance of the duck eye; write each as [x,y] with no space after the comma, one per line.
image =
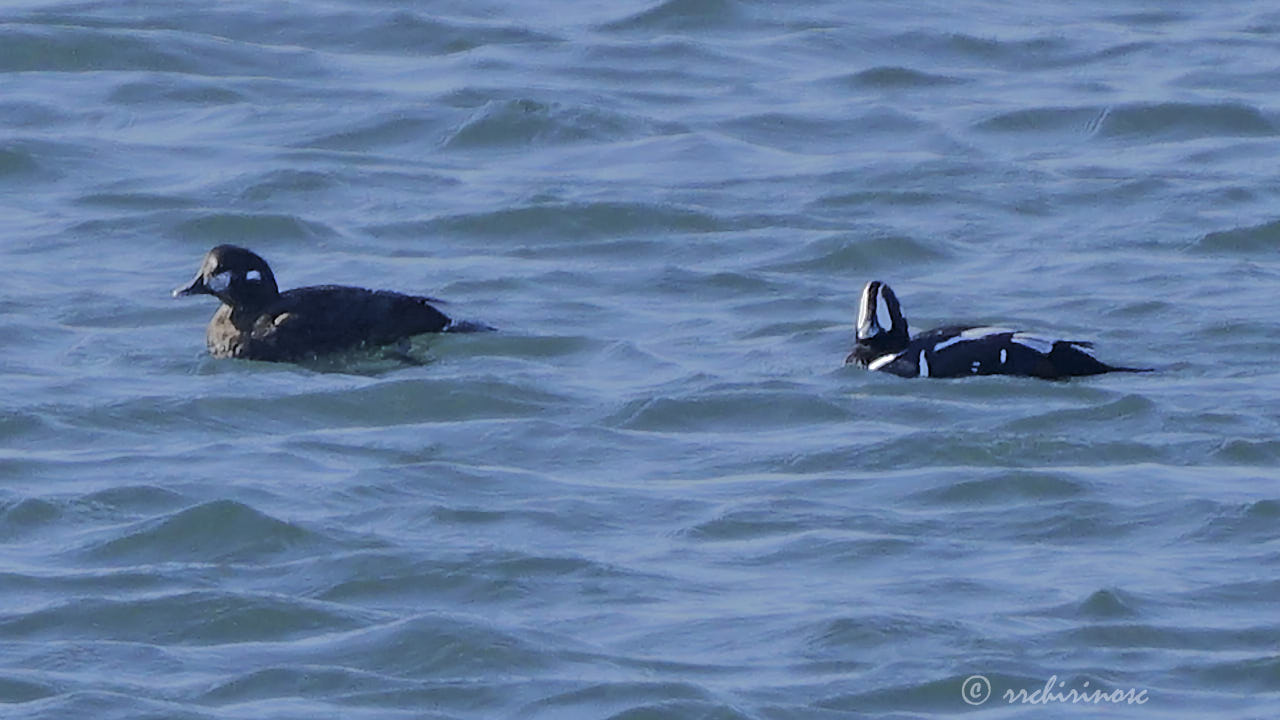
[253,276]
[219,281]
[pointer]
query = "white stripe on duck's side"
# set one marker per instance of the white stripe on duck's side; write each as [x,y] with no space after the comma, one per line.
[970,335]
[924,365]
[1039,344]
[981,332]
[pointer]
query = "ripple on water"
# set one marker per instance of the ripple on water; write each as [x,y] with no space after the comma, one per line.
[1138,412]
[903,696]
[477,578]
[1256,239]
[138,201]
[211,532]
[854,254]
[17,163]
[27,516]
[1134,122]
[720,412]
[308,681]
[188,618]
[67,48]
[834,638]
[572,221]
[890,130]
[1107,604]
[404,32]
[1165,122]
[442,646]
[682,16]
[624,699]
[502,124]
[1061,121]
[1001,487]
[894,77]
[1005,449]
[178,89]
[1254,522]
[385,131]
[962,50]
[18,690]
[251,228]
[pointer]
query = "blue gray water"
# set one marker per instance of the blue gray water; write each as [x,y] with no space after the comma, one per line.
[656,492]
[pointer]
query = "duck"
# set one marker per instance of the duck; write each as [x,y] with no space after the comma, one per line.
[258,322]
[885,345]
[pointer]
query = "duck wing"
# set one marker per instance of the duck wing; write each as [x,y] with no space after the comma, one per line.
[326,318]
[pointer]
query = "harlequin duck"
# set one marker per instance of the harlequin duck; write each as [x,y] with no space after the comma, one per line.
[960,350]
[258,322]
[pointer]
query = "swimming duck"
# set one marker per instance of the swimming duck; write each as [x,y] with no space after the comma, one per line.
[258,322]
[884,344]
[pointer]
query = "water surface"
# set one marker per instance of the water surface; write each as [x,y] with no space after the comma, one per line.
[656,492]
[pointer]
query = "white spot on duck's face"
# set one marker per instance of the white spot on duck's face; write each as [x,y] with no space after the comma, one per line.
[924,365]
[882,361]
[1039,344]
[219,281]
[253,276]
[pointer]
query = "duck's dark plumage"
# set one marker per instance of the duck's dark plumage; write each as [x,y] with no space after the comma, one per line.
[884,344]
[258,322]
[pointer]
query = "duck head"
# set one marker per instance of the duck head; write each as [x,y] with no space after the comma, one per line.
[881,327]
[234,275]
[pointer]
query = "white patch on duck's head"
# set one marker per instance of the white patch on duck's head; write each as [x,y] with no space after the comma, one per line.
[874,315]
[253,276]
[219,282]
[867,325]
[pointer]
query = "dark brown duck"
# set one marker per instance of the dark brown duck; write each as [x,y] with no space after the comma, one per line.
[258,322]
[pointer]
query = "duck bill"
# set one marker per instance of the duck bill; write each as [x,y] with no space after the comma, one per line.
[196,287]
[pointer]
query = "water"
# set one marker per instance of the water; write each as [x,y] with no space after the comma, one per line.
[656,493]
